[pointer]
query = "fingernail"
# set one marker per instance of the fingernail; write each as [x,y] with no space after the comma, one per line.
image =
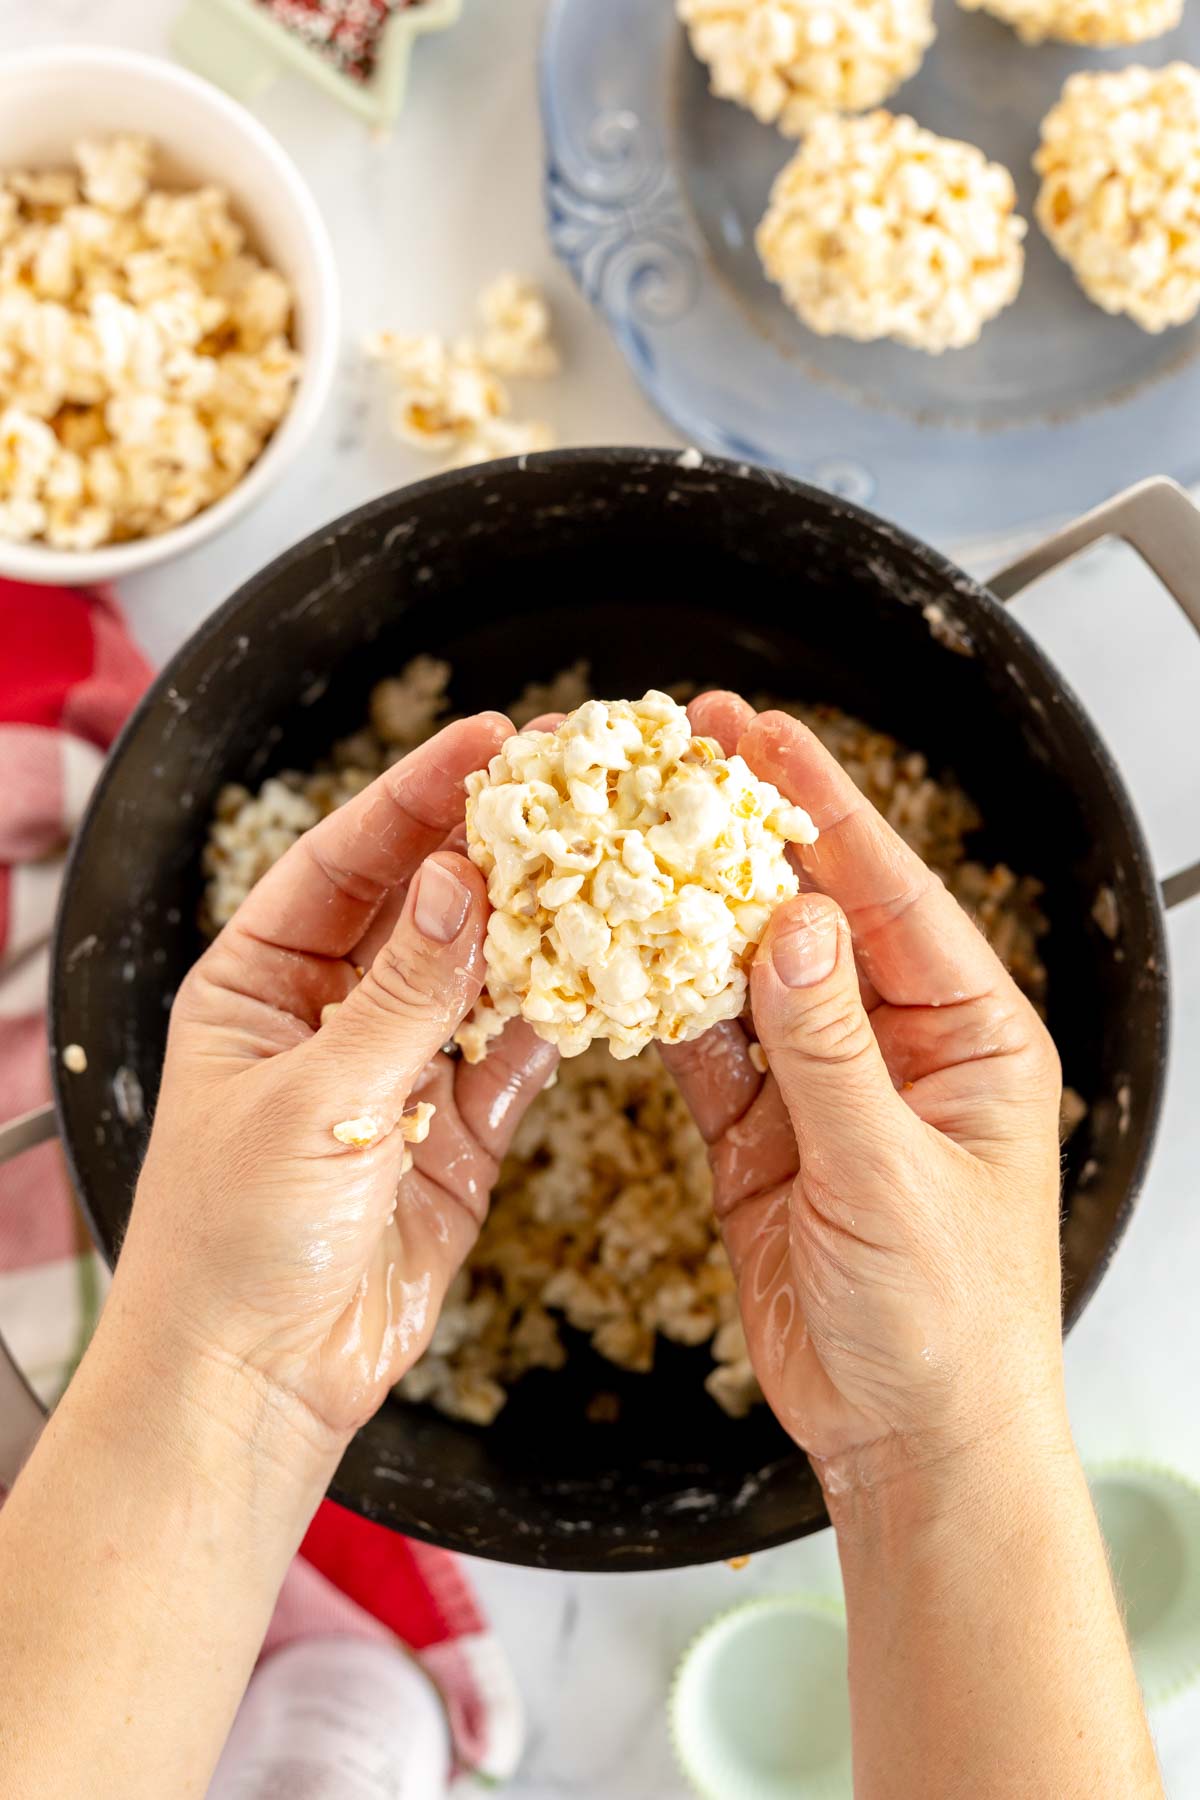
[441,905]
[807,953]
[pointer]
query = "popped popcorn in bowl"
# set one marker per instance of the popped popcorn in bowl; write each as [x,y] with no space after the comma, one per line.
[145,350]
[632,870]
[601,1220]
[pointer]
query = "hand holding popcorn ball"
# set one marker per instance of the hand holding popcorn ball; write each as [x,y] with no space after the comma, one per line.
[632,869]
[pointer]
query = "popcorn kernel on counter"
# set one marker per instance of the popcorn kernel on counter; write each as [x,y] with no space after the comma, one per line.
[449,396]
[632,870]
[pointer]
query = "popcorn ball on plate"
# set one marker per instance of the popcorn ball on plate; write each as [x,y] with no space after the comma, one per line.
[1120,194]
[880,229]
[1100,24]
[632,869]
[788,60]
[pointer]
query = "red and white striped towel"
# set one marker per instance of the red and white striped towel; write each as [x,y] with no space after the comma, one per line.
[69,674]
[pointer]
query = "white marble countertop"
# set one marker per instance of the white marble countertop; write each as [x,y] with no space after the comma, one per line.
[418,223]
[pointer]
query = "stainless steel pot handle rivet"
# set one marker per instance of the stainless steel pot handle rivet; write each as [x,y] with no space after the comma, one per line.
[1159,520]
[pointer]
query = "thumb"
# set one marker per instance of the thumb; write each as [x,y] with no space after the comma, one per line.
[422,982]
[812,1024]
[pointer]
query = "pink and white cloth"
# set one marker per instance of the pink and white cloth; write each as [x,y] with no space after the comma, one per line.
[69,674]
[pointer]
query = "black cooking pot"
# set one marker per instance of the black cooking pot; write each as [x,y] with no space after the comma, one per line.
[655,571]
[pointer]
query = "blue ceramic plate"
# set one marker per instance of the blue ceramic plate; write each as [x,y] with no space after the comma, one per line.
[654,189]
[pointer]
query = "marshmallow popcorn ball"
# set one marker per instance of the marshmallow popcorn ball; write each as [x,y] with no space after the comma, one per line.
[145,352]
[1100,24]
[788,60]
[1120,195]
[632,870]
[877,228]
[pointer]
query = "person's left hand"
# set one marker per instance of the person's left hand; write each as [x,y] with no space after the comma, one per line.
[269,1244]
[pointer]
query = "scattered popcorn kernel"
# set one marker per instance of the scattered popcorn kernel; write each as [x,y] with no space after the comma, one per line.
[758,1058]
[496,438]
[1100,24]
[75,1058]
[790,60]
[328,1010]
[449,397]
[444,392]
[358,1132]
[879,229]
[414,1125]
[618,910]
[517,336]
[1120,196]
[480,1026]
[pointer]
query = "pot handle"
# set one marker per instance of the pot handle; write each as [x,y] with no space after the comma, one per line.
[1159,520]
[22,1414]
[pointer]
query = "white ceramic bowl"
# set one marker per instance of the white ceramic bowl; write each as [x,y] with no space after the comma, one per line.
[51,98]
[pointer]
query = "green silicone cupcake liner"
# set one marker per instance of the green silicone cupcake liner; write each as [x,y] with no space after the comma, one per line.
[760,1707]
[1150,1518]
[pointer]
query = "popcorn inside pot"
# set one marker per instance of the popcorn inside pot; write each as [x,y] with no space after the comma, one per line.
[632,870]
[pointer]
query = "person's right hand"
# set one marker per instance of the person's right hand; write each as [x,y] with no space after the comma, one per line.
[888,1192]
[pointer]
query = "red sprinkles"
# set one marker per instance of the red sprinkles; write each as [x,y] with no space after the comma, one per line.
[347,32]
